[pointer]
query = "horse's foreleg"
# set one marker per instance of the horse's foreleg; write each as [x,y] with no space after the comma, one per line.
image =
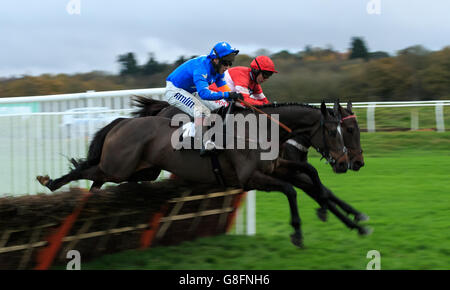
[303,182]
[311,190]
[264,182]
[348,222]
[359,216]
[317,190]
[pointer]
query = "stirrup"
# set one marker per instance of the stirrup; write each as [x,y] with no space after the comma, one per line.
[210,145]
[208,148]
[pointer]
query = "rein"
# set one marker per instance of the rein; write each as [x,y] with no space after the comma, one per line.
[350,150]
[348,117]
[289,130]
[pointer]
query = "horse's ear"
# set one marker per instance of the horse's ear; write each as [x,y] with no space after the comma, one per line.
[323,108]
[349,106]
[336,107]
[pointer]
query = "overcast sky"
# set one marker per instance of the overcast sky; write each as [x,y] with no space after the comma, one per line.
[43,37]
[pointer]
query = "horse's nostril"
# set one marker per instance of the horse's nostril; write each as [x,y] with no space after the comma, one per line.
[342,165]
[359,164]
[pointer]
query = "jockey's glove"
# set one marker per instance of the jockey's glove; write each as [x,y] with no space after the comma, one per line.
[235,96]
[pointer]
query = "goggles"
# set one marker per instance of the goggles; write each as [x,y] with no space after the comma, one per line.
[225,62]
[266,74]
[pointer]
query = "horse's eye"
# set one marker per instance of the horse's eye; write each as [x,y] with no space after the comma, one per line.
[350,130]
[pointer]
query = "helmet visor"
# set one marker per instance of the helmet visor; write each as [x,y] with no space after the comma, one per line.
[266,74]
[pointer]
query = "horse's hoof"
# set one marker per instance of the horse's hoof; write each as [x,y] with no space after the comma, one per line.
[297,240]
[365,231]
[361,217]
[44,180]
[322,214]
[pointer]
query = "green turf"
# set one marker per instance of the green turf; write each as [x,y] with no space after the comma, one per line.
[404,188]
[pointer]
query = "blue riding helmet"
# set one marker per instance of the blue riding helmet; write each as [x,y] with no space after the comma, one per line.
[222,49]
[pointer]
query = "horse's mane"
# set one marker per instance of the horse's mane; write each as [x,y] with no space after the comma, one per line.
[272,105]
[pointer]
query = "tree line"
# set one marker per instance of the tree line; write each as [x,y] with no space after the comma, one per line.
[310,75]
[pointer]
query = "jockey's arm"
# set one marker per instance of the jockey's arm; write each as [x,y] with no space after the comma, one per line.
[258,99]
[203,89]
[225,88]
[256,102]
[254,99]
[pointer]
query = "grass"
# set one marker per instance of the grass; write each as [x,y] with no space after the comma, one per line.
[404,188]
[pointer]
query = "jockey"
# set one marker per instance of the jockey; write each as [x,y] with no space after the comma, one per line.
[247,80]
[187,87]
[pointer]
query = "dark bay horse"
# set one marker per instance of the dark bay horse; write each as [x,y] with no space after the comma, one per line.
[135,147]
[296,149]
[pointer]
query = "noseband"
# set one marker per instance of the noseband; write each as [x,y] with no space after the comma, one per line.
[325,152]
[349,149]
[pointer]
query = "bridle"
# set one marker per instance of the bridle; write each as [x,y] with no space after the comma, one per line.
[325,152]
[350,149]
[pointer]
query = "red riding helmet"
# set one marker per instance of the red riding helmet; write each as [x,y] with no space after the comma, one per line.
[263,63]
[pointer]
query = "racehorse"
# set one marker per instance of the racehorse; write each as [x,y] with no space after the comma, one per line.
[134,148]
[296,149]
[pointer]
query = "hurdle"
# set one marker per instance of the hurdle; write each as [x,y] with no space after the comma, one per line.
[108,221]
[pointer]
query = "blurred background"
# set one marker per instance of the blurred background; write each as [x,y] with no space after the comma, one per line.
[323,49]
[390,58]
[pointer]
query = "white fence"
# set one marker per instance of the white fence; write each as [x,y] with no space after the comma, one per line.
[36,141]
[437,104]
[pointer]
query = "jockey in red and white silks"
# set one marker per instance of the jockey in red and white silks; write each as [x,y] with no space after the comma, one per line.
[247,81]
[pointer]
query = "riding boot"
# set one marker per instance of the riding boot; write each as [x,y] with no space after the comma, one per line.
[208,148]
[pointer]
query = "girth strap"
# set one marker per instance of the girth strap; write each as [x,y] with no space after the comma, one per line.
[217,169]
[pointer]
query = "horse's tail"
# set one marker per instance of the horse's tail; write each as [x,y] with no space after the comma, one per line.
[95,148]
[148,107]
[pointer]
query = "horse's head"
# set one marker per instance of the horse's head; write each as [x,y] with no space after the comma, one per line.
[327,139]
[351,134]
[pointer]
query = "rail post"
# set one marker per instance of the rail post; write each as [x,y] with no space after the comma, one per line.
[440,117]
[371,117]
[414,120]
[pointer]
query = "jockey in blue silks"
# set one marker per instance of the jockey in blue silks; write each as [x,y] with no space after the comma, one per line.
[187,87]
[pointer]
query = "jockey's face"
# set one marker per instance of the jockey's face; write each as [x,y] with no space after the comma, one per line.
[220,68]
[224,63]
[260,79]
[263,76]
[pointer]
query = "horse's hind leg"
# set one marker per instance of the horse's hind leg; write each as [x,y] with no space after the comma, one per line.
[54,184]
[92,173]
